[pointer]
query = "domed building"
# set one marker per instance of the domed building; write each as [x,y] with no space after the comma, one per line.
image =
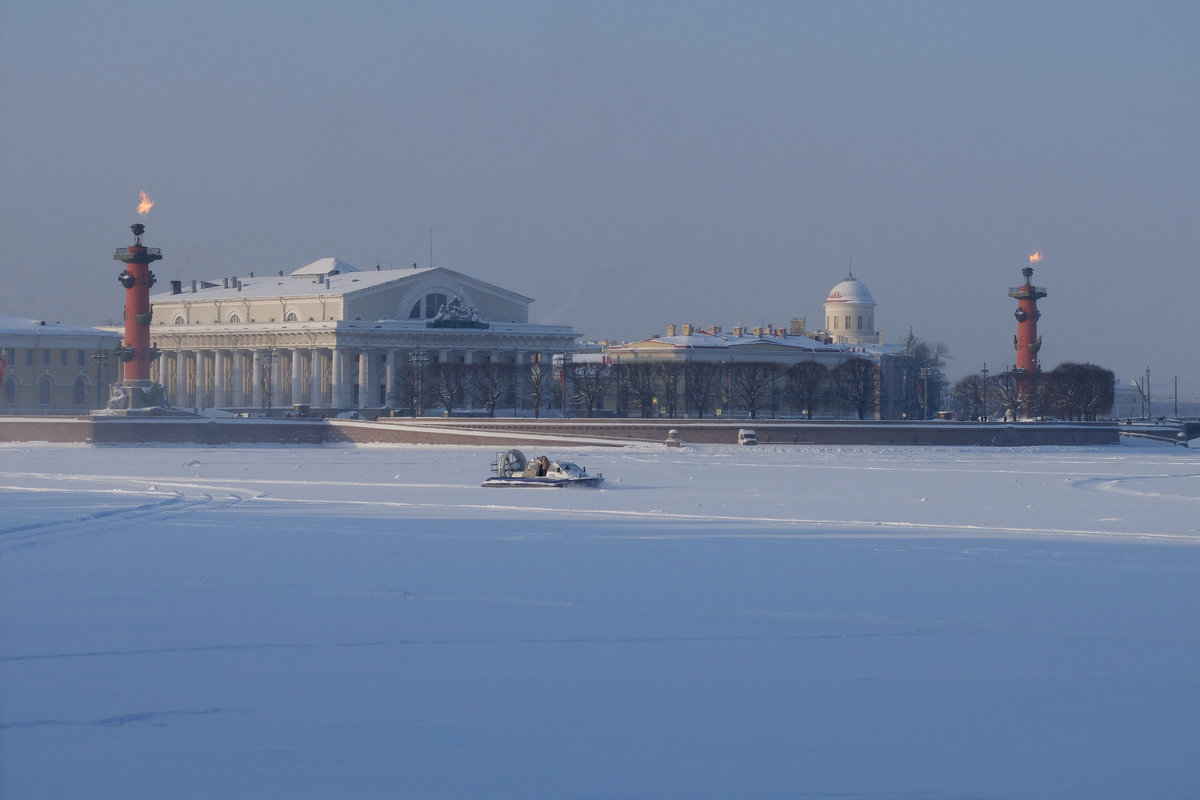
[850,314]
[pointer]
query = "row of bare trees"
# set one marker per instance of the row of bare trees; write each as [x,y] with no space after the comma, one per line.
[1070,391]
[649,389]
[700,388]
[489,386]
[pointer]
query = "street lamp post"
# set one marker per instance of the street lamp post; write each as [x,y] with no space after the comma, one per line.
[100,358]
[984,373]
[265,378]
[418,358]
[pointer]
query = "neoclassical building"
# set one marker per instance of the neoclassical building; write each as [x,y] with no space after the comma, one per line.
[334,337]
[692,344]
[50,368]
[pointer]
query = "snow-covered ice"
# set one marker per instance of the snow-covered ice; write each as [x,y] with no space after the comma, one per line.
[717,622]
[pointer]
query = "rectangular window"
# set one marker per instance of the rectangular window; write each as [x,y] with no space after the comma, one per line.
[847,322]
[835,323]
[82,358]
[860,322]
[29,357]
[62,358]
[46,357]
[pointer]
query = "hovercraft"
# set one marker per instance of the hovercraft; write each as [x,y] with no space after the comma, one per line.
[513,469]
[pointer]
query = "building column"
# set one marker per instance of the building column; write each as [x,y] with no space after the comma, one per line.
[390,377]
[276,369]
[237,379]
[316,398]
[256,396]
[297,372]
[167,379]
[202,383]
[335,380]
[181,382]
[367,384]
[219,378]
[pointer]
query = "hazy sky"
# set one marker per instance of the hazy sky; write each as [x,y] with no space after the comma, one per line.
[630,164]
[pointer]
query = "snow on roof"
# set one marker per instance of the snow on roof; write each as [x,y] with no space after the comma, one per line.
[13,325]
[329,277]
[850,290]
[326,276]
[705,339]
[326,266]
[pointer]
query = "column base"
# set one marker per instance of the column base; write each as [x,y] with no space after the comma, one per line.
[137,394]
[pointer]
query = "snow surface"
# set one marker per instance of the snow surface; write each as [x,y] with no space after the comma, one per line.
[718,622]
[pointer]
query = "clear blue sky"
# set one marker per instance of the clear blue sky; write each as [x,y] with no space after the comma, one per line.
[630,164]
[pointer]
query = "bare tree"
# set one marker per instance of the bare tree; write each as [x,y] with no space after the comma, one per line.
[750,383]
[639,380]
[702,382]
[969,398]
[449,381]
[804,383]
[1078,391]
[490,383]
[591,382]
[854,381]
[538,376]
[1005,391]
[929,381]
[412,388]
[670,377]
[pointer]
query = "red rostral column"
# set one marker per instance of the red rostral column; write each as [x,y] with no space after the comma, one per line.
[1027,342]
[137,280]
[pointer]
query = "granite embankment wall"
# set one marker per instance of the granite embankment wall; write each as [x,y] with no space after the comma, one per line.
[554,432]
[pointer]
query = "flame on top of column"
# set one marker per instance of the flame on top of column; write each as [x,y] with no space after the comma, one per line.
[144,204]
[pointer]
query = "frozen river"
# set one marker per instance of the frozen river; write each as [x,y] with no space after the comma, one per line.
[716,622]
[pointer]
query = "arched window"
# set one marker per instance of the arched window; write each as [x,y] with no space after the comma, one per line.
[234,318]
[178,320]
[291,317]
[45,391]
[80,392]
[10,391]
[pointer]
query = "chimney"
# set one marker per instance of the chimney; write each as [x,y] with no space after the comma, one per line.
[193,287]
[227,283]
[176,287]
[670,330]
[687,329]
